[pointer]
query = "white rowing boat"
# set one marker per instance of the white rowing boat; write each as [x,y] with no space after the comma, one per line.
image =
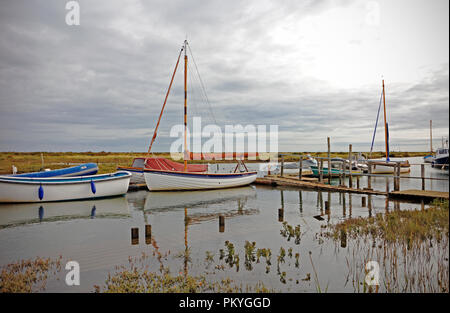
[29,189]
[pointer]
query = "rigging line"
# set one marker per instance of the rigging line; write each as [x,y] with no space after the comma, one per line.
[376,123]
[201,83]
[192,92]
[165,101]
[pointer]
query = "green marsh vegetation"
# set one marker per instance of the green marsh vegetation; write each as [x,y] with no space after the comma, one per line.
[108,161]
[411,248]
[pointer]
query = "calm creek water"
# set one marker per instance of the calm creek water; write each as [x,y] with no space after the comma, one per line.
[97,233]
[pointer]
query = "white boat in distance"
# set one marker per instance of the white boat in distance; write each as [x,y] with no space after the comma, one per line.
[158,180]
[28,189]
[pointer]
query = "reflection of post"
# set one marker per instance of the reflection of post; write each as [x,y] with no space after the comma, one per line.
[148,234]
[422,174]
[300,200]
[387,185]
[343,238]
[396,205]
[328,206]
[369,204]
[321,202]
[221,223]
[386,205]
[350,205]
[300,168]
[343,204]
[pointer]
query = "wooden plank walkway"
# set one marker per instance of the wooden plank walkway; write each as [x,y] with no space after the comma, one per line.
[295,182]
[419,194]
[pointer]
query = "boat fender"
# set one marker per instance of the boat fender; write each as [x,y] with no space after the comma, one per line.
[93,189]
[93,211]
[41,192]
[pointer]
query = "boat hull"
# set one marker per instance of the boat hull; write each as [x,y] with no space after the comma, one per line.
[379,168]
[19,189]
[171,180]
[335,172]
[137,174]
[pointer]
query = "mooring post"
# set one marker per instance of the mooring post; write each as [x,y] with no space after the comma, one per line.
[398,175]
[321,171]
[329,160]
[343,173]
[148,234]
[221,223]
[280,214]
[350,183]
[282,165]
[422,173]
[134,235]
[363,201]
[357,182]
[369,177]
[300,170]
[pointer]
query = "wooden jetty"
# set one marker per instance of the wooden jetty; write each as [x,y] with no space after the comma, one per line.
[314,185]
[412,194]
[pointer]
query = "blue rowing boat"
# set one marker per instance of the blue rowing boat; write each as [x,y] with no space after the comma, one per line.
[79,170]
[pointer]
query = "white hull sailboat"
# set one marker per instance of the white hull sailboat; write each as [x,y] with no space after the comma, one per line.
[165,180]
[183,179]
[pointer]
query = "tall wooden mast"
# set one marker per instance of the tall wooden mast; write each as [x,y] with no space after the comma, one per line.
[431,137]
[385,125]
[185,106]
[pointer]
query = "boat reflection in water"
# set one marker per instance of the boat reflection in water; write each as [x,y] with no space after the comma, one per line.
[180,199]
[27,213]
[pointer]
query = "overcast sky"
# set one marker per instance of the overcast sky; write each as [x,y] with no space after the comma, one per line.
[312,67]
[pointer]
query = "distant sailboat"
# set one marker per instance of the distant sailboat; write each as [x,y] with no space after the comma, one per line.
[164,179]
[386,166]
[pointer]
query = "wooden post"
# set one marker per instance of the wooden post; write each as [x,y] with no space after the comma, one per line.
[280,214]
[148,234]
[329,160]
[343,173]
[398,175]
[221,223]
[300,166]
[363,201]
[282,165]
[369,204]
[369,177]
[321,171]
[134,236]
[387,185]
[422,173]
[350,183]
[357,182]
